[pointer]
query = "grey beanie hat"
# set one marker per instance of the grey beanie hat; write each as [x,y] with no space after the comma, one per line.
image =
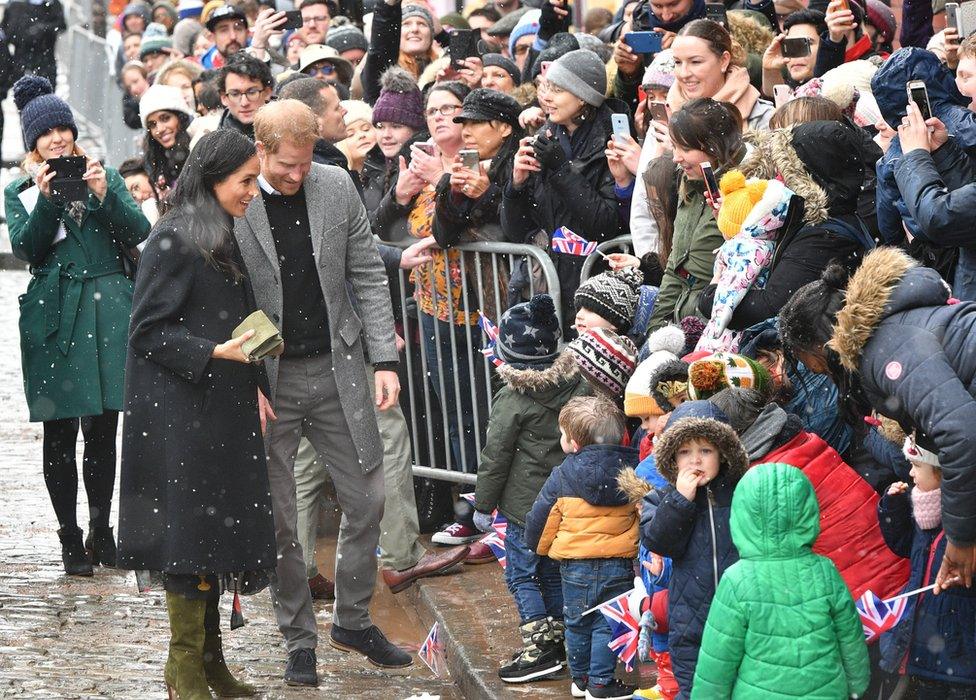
[345,37]
[418,11]
[582,73]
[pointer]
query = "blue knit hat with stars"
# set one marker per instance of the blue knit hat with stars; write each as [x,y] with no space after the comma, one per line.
[528,334]
[40,109]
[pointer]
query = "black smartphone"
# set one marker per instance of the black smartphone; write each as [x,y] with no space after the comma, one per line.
[920,96]
[716,12]
[796,47]
[67,185]
[711,183]
[293,20]
[464,44]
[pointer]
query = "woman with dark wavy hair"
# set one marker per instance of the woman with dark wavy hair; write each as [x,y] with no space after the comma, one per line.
[166,117]
[195,501]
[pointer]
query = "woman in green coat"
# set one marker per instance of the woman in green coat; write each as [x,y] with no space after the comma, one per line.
[74,317]
[702,131]
[783,623]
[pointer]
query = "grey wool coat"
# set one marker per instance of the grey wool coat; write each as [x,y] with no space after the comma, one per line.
[348,263]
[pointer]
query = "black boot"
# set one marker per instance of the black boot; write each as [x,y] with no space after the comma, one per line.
[73,552]
[100,544]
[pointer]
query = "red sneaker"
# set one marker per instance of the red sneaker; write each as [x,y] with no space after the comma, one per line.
[479,553]
[455,534]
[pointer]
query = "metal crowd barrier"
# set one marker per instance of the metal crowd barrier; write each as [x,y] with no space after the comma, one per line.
[487,266]
[95,98]
[620,244]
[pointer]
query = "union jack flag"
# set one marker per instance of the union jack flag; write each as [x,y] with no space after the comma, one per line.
[623,642]
[491,331]
[500,524]
[496,542]
[878,615]
[432,651]
[565,241]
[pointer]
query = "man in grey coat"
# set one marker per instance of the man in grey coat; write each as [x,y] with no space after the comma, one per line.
[302,240]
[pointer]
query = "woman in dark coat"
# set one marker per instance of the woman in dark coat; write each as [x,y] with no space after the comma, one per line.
[561,177]
[893,342]
[73,317]
[195,501]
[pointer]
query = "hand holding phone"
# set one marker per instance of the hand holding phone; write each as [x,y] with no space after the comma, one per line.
[620,124]
[464,44]
[293,20]
[796,47]
[68,184]
[644,42]
[711,182]
[918,94]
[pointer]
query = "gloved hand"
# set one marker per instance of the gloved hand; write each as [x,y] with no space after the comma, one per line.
[549,152]
[482,521]
[551,22]
[644,639]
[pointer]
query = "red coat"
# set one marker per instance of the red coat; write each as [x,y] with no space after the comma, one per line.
[850,535]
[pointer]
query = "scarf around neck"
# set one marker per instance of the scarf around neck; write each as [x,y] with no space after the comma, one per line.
[927,508]
[737,90]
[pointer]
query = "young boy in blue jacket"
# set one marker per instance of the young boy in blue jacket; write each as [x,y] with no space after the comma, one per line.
[582,520]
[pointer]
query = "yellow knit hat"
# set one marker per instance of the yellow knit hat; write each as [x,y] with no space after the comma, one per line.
[738,198]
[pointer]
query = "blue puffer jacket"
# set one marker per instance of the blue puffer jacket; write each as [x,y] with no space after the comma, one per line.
[915,355]
[694,534]
[937,632]
[948,104]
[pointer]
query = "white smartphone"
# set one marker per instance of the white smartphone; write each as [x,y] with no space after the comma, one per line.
[621,125]
[781,95]
[918,94]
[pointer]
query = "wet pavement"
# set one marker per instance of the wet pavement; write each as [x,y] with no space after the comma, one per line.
[70,637]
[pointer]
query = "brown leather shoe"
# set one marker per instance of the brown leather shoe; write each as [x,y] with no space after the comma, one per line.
[431,564]
[321,587]
[480,554]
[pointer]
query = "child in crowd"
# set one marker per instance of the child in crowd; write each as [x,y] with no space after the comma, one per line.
[582,520]
[606,360]
[702,459]
[935,642]
[782,623]
[753,213]
[521,449]
[608,300]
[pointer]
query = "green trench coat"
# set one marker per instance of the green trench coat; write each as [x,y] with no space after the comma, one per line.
[74,317]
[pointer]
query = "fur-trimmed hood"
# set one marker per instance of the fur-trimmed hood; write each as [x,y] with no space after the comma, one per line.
[539,380]
[751,34]
[632,486]
[868,294]
[734,460]
[774,155]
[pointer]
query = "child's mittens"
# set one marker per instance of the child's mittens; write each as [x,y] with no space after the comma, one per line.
[644,637]
[483,521]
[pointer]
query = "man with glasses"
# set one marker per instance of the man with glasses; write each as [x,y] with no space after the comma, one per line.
[245,86]
[316,17]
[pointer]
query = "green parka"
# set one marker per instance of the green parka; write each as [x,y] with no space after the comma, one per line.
[74,317]
[783,623]
[522,445]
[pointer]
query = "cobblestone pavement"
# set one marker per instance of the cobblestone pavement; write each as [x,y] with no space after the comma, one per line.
[64,637]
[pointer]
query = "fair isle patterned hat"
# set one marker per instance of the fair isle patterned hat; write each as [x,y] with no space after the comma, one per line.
[605,358]
[612,295]
[916,453]
[528,334]
[711,374]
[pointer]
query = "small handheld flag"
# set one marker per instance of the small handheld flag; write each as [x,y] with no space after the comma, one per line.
[491,332]
[432,651]
[878,616]
[565,241]
[623,642]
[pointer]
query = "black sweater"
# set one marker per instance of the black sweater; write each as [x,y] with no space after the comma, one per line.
[305,325]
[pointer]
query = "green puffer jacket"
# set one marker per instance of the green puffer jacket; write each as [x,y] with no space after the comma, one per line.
[522,445]
[782,624]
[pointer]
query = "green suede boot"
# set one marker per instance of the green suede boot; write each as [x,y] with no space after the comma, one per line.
[185,678]
[221,681]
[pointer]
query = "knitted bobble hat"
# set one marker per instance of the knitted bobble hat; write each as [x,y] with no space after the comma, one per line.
[345,37]
[400,101]
[40,109]
[418,11]
[528,334]
[154,40]
[581,73]
[709,375]
[738,198]
[606,359]
[612,295]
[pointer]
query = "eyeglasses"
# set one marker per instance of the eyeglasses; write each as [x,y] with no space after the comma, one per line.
[444,111]
[251,94]
[315,20]
[324,69]
[522,49]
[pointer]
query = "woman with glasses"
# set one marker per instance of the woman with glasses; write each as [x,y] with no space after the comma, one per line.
[166,118]
[445,323]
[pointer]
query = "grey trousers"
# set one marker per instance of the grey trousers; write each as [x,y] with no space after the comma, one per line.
[400,528]
[307,404]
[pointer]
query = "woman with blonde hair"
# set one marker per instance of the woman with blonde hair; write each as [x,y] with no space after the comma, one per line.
[74,317]
[180,73]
